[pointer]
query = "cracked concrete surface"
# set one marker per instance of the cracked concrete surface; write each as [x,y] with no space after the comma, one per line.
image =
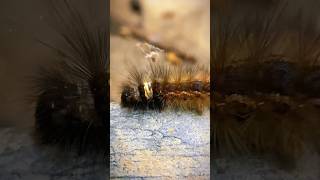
[167,145]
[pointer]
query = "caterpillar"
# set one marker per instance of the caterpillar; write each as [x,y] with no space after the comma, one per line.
[161,86]
[71,95]
[275,75]
[265,84]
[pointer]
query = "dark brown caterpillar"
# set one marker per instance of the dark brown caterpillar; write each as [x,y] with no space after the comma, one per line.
[176,87]
[275,75]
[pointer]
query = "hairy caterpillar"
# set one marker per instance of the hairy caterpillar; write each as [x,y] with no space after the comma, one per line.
[265,97]
[72,94]
[161,86]
[275,75]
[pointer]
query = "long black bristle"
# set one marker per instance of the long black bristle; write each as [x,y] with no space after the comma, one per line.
[72,94]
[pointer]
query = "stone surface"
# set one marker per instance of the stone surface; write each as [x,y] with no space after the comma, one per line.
[167,145]
[20,158]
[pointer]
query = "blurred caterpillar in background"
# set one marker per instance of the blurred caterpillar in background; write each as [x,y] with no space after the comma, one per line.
[161,86]
[72,95]
[266,84]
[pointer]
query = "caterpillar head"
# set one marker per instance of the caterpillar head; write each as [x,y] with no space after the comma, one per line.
[128,97]
[145,96]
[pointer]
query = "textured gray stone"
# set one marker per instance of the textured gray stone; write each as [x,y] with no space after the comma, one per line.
[166,145]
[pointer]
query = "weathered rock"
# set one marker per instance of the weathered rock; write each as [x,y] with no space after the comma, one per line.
[173,145]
